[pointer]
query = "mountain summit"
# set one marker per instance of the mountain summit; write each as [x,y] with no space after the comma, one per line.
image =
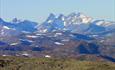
[74,35]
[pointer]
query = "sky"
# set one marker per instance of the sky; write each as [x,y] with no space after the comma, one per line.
[38,10]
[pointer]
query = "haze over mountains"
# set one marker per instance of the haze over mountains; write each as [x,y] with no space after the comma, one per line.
[76,35]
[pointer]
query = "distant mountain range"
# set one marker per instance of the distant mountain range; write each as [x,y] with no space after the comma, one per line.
[73,36]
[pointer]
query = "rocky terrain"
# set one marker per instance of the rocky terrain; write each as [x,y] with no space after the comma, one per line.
[73,36]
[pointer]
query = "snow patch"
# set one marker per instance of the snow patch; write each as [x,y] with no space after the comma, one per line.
[12,44]
[31,36]
[65,40]
[50,21]
[6,27]
[25,54]
[57,34]
[47,56]
[58,43]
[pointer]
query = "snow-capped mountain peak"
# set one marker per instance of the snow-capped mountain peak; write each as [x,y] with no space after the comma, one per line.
[85,19]
[78,18]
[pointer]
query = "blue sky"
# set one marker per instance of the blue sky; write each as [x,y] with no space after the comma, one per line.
[38,10]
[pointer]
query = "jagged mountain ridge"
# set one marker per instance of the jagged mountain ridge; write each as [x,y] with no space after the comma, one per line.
[72,35]
[76,23]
